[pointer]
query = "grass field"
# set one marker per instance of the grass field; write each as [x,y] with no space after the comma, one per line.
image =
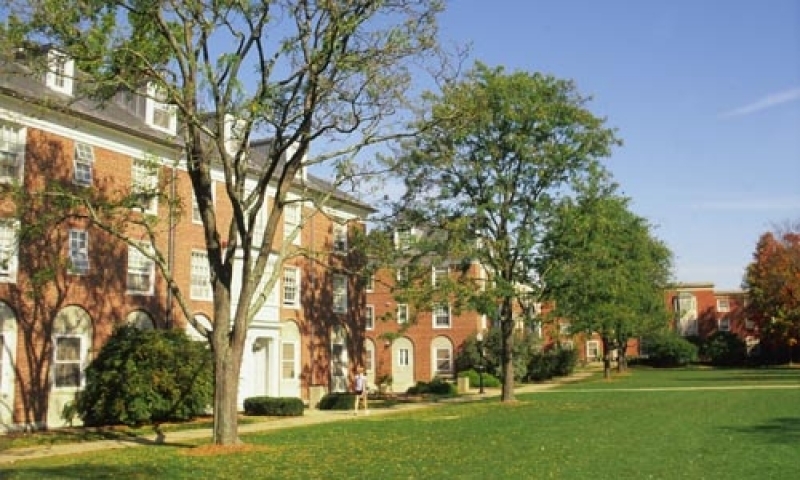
[595,429]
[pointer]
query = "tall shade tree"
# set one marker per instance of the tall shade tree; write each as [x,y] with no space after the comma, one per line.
[503,147]
[772,282]
[331,72]
[607,272]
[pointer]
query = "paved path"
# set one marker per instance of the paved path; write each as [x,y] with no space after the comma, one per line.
[310,417]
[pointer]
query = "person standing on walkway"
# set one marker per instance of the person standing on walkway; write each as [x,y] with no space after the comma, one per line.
[361,391]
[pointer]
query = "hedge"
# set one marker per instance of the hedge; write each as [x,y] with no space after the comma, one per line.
[274,406]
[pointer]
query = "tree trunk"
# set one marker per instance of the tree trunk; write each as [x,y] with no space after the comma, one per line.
[507,354]
[606,357]
[226,393]
[228,342]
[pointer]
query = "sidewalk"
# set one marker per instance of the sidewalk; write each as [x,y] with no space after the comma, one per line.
[310,417]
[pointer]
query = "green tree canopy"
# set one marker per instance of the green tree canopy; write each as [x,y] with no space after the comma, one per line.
[607,272]
[484,178]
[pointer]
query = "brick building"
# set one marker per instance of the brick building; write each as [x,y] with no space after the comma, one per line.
[65,283]
[698,310]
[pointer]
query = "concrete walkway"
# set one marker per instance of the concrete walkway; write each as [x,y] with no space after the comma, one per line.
[310,417]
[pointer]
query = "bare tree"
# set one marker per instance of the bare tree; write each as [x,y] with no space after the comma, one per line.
[334,73]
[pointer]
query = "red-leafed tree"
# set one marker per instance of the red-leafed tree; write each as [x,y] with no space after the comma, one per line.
[773,284]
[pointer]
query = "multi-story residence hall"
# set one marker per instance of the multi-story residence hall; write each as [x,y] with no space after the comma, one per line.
[65,283]
[698,310]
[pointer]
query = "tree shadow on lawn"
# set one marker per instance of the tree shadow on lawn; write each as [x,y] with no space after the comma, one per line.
[93,471]
[778,430]
[721,374]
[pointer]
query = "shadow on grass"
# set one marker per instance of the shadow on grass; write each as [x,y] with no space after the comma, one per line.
[95,471]
[778,430]
[756,374]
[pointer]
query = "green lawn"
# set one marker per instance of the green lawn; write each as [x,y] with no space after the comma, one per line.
[587,430]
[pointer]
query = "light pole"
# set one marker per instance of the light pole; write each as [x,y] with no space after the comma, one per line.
[481,366]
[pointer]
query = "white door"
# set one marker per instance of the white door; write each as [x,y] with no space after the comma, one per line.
[72,342]
[8,349]
[402,364]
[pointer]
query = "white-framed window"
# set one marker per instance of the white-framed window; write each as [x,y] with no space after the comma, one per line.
[339,236]
[724,324]
[8,250]
[404,238]
[201,276]
[723,305]
[592,350]
[288,361]
[340,293]
[564,328]
[60,72]
[78,252]
[440,275]
[537,329]
[67,367]
[749,324]
[444,361]
[83,165]
[141,271]
[685,304]
[402,313]
[12,147]
[291,287]
[291,222]
[145,185]
[402,275]
[160,114]
[369,317]
[403,357]
[369,358]
[369,282]
[441,315]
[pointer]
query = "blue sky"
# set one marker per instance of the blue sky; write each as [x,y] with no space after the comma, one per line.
[705,95]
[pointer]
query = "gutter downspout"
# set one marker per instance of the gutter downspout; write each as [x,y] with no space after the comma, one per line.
[171,245]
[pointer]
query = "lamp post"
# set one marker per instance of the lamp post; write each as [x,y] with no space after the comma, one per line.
[481,366]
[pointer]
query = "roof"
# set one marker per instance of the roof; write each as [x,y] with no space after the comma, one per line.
[15,82]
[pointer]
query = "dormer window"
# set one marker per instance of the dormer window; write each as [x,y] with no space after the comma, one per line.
[60,72]
[158,113]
